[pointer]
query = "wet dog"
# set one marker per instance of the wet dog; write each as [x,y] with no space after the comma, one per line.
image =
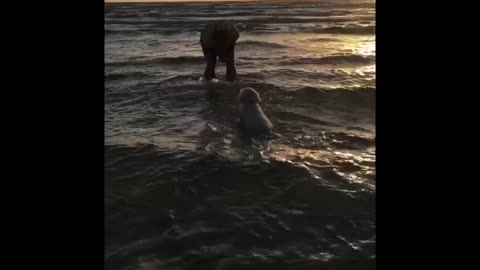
[253,120]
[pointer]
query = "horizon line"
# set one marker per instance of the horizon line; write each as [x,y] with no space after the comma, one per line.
[204,1]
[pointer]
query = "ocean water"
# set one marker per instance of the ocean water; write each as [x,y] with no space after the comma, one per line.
[183,191]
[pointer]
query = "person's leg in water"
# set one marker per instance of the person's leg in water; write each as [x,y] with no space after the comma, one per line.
[218,40]
[211,58]
[229,58]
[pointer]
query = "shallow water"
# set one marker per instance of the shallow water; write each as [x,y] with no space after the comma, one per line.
[183,191]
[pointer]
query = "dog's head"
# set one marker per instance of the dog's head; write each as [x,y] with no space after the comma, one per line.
[249,95]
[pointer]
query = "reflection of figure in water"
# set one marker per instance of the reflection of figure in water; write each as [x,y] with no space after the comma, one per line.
[218,40]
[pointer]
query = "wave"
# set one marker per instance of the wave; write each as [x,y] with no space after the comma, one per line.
[359,30]
[348,139]
[243,13]
[301,74]
[145,29]
[322,39]
[239,5]
[197,60]
[256,20]
[338,97]
[368,4]
[295,116]
[127,75]
[261,44]
[121,32]
[143,75]
[333,74]
[267,27]
[335,59]
[159,61]
[332,139]
[181,78]
[309,90]
[249,27]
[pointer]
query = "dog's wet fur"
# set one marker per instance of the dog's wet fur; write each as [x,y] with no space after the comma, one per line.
[253,121]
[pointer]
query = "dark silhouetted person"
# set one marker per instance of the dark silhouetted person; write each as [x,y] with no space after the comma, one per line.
[218,40]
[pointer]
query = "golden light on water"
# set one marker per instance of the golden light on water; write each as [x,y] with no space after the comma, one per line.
[354,167]
[327,44]
[367,48]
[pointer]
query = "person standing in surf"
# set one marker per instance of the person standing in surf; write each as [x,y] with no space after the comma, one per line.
[218,40]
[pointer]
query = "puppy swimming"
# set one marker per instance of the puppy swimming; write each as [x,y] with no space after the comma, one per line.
[252,119]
